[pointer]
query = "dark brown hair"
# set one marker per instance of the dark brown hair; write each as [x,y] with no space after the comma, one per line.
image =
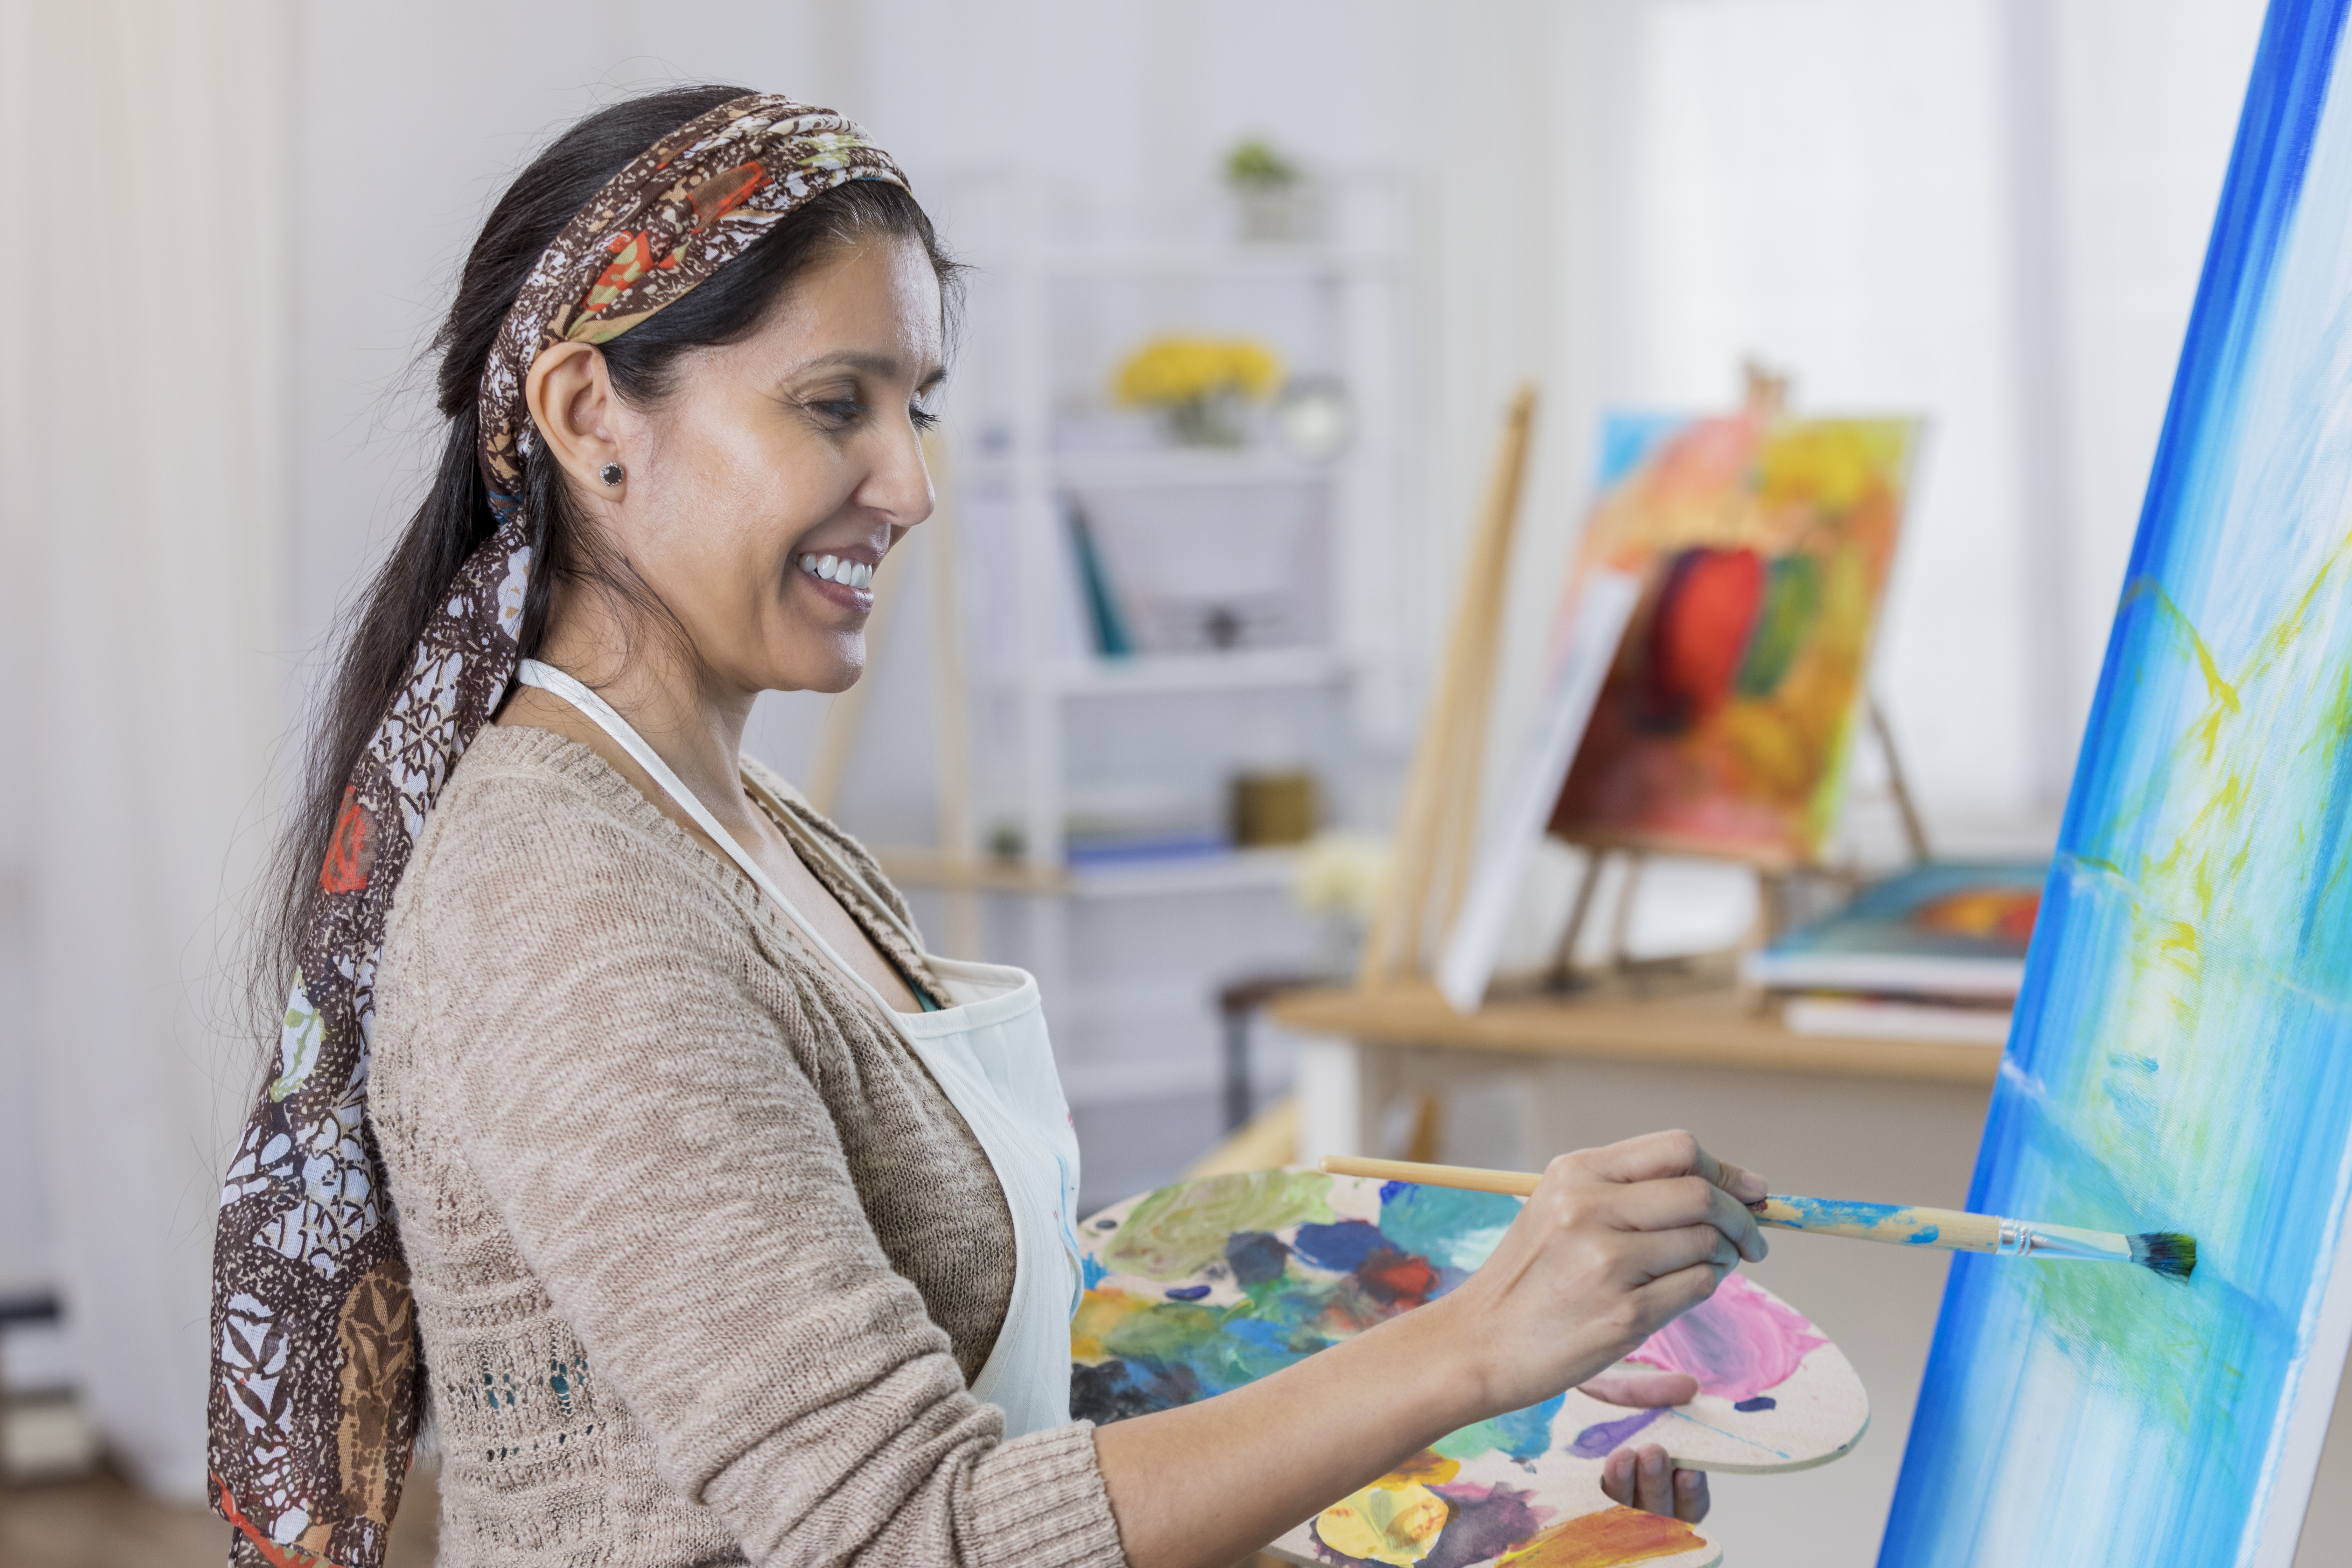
[455,516]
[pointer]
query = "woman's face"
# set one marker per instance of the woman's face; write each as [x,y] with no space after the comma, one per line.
[760,495]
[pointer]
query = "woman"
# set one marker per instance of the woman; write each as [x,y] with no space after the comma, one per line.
[731,1223]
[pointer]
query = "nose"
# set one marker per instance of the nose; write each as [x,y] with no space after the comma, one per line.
[899,487]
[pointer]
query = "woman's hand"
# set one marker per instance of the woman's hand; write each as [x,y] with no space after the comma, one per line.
[1638,1477]
[1614,1245]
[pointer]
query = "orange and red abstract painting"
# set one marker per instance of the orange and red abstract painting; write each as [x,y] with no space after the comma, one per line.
[1763,544]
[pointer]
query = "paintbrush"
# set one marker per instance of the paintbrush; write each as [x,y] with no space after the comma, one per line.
[2165,1252]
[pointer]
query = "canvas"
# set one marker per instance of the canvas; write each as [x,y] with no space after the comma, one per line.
[1590,624]
[1763,545]
[1202,1287]
[2182,1052]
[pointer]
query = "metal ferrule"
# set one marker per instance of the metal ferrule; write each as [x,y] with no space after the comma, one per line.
[2062,1241]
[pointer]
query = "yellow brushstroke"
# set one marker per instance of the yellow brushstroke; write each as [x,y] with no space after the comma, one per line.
[2222,696]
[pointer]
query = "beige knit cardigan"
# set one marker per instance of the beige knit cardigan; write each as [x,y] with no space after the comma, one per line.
[703,1258]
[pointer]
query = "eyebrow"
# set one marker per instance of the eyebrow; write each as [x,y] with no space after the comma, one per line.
[869,364]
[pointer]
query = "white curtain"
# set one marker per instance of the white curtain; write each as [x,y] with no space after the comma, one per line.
[143,151]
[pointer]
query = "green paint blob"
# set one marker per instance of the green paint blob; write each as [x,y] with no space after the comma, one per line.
[1453,1229]
[1180,1230]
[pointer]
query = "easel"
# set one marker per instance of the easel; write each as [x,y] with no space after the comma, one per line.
[1437,830]
[1775,884]
[1437,827]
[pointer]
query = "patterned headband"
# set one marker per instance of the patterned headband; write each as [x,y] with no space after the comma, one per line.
[315,1363]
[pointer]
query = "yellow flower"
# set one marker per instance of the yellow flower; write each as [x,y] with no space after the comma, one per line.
[1174,370]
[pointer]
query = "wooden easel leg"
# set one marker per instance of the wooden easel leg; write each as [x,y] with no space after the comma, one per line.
[1563,975]
[1915,828]
[1620,919]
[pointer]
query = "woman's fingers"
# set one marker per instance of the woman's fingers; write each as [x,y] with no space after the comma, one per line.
[1657,1156]
[1653,1480]
[1686,1201]
[1641,1387]
[1690,1495]
[1653,1254]
[1641,1478]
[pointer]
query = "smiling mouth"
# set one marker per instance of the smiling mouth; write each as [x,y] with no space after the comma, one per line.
[833,569]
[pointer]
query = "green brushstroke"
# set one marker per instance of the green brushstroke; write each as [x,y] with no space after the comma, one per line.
[1178,1231]
[1793,603]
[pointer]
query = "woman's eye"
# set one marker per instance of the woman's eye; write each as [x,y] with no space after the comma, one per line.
[840,410]
[921,418]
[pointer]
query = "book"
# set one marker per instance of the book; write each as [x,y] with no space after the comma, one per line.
[1947,929]
[1107,621]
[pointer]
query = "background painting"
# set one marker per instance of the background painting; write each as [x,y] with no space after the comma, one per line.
[2182,1054]
[1763,545]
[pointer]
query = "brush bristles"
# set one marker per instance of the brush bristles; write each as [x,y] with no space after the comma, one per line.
[2168,1252]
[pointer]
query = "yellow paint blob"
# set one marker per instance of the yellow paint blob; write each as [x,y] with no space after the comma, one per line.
[1385,1523]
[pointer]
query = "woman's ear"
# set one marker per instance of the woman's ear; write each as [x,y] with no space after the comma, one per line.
[569,390]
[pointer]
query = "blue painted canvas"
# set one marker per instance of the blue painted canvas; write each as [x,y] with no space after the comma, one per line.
[2182,1052]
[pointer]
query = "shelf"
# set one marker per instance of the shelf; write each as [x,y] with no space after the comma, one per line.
[1145,674]
[1245,669]
[1236,870]
[1125,262]
[1166,467]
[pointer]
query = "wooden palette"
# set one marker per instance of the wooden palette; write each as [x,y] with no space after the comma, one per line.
[1204,1286]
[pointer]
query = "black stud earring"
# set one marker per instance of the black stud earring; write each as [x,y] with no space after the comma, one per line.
[611,473]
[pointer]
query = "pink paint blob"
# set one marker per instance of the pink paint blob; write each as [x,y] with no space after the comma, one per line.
[1738,1343]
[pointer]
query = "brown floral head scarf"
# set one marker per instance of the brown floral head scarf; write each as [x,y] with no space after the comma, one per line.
[315,1363]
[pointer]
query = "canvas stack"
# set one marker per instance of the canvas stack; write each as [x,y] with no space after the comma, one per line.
[1936,952]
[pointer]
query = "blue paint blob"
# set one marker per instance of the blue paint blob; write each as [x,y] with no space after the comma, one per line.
[1453,1229]
[1525,1434]
[1608,1436]
[1256,1256]
[1341,1248]
[1761,1402]
[1926,1237]
[1187,1292]
[1830,1211]
[1092,1267]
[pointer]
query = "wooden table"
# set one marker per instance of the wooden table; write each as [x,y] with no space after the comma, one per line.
[1351,1067]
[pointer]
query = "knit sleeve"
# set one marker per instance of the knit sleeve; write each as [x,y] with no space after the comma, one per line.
[645,1124]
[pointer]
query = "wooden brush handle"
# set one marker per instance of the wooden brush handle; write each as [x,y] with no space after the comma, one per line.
[1897,1224]
[1517,1184]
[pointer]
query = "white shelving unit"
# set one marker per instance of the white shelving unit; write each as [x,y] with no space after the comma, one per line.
[1362,288]
[1022,395]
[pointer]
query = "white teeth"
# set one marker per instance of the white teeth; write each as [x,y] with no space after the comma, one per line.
[833,569]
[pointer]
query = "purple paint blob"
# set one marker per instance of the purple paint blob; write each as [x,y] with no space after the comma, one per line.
[1487,1522]
[1738,1343]
[1608,1436]
[1761,1402]
[1186,1293]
